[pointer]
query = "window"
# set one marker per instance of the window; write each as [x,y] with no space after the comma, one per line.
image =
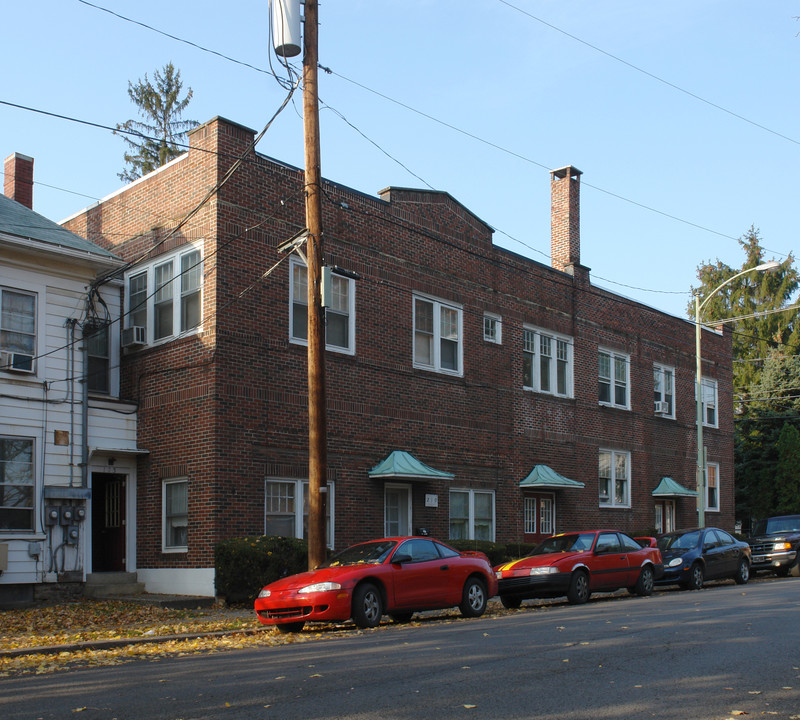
[544,506]
[286,509]
[165,297]
[16,484]
[97,374]
[546,516]
[614,476]
[613,373]
[340,323]
[709,394]
[712,487]
[492,328]
[176,515]
[664,390]
[437,336]
[17,330]
[471,515]
[547,362]
[529,510]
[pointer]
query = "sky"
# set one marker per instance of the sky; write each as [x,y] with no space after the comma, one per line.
[682,115]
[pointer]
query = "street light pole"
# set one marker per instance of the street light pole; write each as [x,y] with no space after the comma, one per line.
[770,266]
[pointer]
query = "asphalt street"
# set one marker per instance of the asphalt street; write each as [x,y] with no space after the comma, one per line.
[723,652]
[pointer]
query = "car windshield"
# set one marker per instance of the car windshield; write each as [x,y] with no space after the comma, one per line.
[771,526]
[679,541]
[577,542]
[370,553]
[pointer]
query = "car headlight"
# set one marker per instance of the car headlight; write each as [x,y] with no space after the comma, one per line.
[264,593]
[675,562]
[782,546]
[319,587]
[543,570]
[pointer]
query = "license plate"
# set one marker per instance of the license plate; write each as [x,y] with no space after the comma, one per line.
[758,558]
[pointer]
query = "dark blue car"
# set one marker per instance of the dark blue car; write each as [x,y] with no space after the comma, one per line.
[693,556]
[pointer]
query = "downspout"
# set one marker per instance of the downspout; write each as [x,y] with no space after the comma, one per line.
[70,324]
[85,412]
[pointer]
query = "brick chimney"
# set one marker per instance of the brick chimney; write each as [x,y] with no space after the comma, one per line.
[19,179]
[565,216]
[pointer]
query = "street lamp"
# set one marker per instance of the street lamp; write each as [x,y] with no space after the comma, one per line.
[770,266]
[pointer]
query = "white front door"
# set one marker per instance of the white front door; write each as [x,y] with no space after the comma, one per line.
[397,510]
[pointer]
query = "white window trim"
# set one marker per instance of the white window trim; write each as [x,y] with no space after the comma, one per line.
[710,382]
[437,336]
[471,510]
[38,323]
[399,486]
[164,547]
[536,362]
[611,502]
[614,355]
[497,339]
[36,446]
[177,294]
[663,369]
[299,487]
[537,520]
[351,313]
[708,507]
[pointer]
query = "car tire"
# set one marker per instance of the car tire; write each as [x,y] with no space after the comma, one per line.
[510,603]
[578,592]
[292,627]
[742,572]
[646,581]
[696,577]
[401,617]
[367,606]
[473,598]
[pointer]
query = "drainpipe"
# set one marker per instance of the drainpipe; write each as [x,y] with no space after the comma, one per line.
[85,412]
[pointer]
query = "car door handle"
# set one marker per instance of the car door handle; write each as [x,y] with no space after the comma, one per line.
[444,567]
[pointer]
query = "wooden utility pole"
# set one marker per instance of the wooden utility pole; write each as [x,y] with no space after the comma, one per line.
[317,421]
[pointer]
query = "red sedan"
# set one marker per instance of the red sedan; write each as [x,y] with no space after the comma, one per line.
[577,564]
[396,576]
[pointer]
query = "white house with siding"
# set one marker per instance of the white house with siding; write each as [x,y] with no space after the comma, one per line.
[67,442]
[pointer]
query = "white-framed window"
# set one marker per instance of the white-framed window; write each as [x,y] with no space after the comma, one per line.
[97,350]
[712,487]
[539,515]
[165,296]
[472,515]
[664,390]
[437,336]
[709,395]
[340,315]
[547,361]
[546,516]
[529,514]
[613,379]
[17,330]
[492,328]
[175,504]
[16,484]
[614,477]
[286,509]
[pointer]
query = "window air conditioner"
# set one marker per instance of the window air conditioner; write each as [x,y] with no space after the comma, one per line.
[662,407]
[134,336]
[16,362]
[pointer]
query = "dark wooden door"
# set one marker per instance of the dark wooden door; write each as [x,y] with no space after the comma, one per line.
[108,522]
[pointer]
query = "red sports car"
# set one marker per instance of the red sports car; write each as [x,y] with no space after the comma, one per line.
[577,564]
[398,576]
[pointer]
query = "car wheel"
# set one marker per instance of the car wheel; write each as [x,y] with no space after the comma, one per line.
[782,571]
[510,603]
[291,627]
[402,617]
[696,576]
[743,572]
[367,606]
[578,592]
[473,598]
[644,585]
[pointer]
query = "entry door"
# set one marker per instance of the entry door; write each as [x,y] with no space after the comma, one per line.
[539,516]
[665,516]
[397,510]
[108,522]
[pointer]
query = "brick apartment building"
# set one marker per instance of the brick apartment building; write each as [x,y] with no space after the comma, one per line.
[471,391]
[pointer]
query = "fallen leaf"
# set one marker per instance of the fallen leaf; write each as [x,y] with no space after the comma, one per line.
[738,712]
[470,707]
[754,692]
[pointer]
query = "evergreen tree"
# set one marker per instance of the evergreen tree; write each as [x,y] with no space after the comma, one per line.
[155,139]
[787,472]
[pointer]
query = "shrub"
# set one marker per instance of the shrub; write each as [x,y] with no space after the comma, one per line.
[244,565]
[494,551]
[516,550]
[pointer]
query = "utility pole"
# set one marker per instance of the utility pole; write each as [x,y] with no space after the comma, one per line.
[317,421]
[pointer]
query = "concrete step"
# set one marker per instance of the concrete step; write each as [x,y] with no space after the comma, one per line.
[112,584]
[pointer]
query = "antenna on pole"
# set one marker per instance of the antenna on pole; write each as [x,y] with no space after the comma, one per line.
[285,19]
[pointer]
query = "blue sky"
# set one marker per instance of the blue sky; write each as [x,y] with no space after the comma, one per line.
[682,115]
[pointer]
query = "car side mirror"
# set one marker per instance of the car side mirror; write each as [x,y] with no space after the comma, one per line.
[401,558]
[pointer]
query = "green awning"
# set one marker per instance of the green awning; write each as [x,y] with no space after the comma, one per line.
[545,477]
[669,488]
[401,465]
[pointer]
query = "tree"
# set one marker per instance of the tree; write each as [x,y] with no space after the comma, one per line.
[787,474]
[155,141]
